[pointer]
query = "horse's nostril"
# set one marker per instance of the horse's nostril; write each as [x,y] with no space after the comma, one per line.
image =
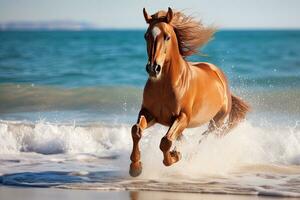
[148,67]
[153,69]
[157,68]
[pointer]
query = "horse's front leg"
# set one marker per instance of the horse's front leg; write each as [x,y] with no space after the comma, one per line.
[144,121]
[179,124]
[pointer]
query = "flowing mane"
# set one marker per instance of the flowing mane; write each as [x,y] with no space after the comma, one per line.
[191,34]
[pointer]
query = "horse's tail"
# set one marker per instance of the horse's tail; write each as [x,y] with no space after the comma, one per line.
[239,108]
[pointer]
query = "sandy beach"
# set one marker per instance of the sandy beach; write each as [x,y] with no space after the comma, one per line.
[18,193]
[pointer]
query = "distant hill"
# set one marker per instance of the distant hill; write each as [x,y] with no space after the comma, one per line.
[47,25]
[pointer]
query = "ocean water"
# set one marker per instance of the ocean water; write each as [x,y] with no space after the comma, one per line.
[69,99]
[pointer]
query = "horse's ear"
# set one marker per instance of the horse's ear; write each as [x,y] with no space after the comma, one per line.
[147,17]
[169,15]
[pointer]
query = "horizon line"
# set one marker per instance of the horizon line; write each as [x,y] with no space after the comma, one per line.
[142,29]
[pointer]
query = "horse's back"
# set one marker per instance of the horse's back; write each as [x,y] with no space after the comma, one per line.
[211,69]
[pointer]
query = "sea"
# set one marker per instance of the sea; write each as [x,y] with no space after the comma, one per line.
[68,100]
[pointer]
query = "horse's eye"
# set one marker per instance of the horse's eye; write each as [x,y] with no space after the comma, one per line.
[167,37]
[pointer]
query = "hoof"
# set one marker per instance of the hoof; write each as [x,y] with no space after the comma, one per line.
[135,169]
[173,157]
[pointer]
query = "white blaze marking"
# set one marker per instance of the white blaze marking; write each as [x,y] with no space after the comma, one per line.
[155,32]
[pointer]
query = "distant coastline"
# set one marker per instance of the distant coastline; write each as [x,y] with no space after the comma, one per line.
[47,25]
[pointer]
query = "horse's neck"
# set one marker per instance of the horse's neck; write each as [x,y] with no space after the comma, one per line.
[177,68]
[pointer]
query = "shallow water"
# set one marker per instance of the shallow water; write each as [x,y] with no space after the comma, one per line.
[68,100]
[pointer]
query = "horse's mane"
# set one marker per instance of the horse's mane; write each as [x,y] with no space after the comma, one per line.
[191,34]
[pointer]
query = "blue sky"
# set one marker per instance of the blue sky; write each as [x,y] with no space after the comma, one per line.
[128,13]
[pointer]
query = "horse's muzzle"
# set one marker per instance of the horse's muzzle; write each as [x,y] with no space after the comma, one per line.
[153,70]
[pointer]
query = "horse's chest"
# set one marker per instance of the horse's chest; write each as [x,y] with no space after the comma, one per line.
[163,105]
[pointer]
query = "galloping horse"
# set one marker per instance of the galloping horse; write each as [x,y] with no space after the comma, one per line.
[178,93]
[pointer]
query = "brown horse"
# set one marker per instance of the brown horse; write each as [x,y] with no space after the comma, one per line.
[181,94]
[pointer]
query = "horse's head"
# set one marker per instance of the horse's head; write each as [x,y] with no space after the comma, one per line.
[159,37]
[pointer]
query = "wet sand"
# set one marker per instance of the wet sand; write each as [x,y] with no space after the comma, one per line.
[21,193]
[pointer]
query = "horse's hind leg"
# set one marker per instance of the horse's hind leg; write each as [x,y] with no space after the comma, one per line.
[217,123]
[145,120]
[179,124]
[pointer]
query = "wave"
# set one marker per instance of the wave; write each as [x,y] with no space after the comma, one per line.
[47,138]
[255,144]
[269,143]
[32,98]
[18,98]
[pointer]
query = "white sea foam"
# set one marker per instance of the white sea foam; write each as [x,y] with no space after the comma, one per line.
[46,138]
[247,144]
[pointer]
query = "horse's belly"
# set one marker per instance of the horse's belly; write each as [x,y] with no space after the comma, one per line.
[195,122]
[203,115]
